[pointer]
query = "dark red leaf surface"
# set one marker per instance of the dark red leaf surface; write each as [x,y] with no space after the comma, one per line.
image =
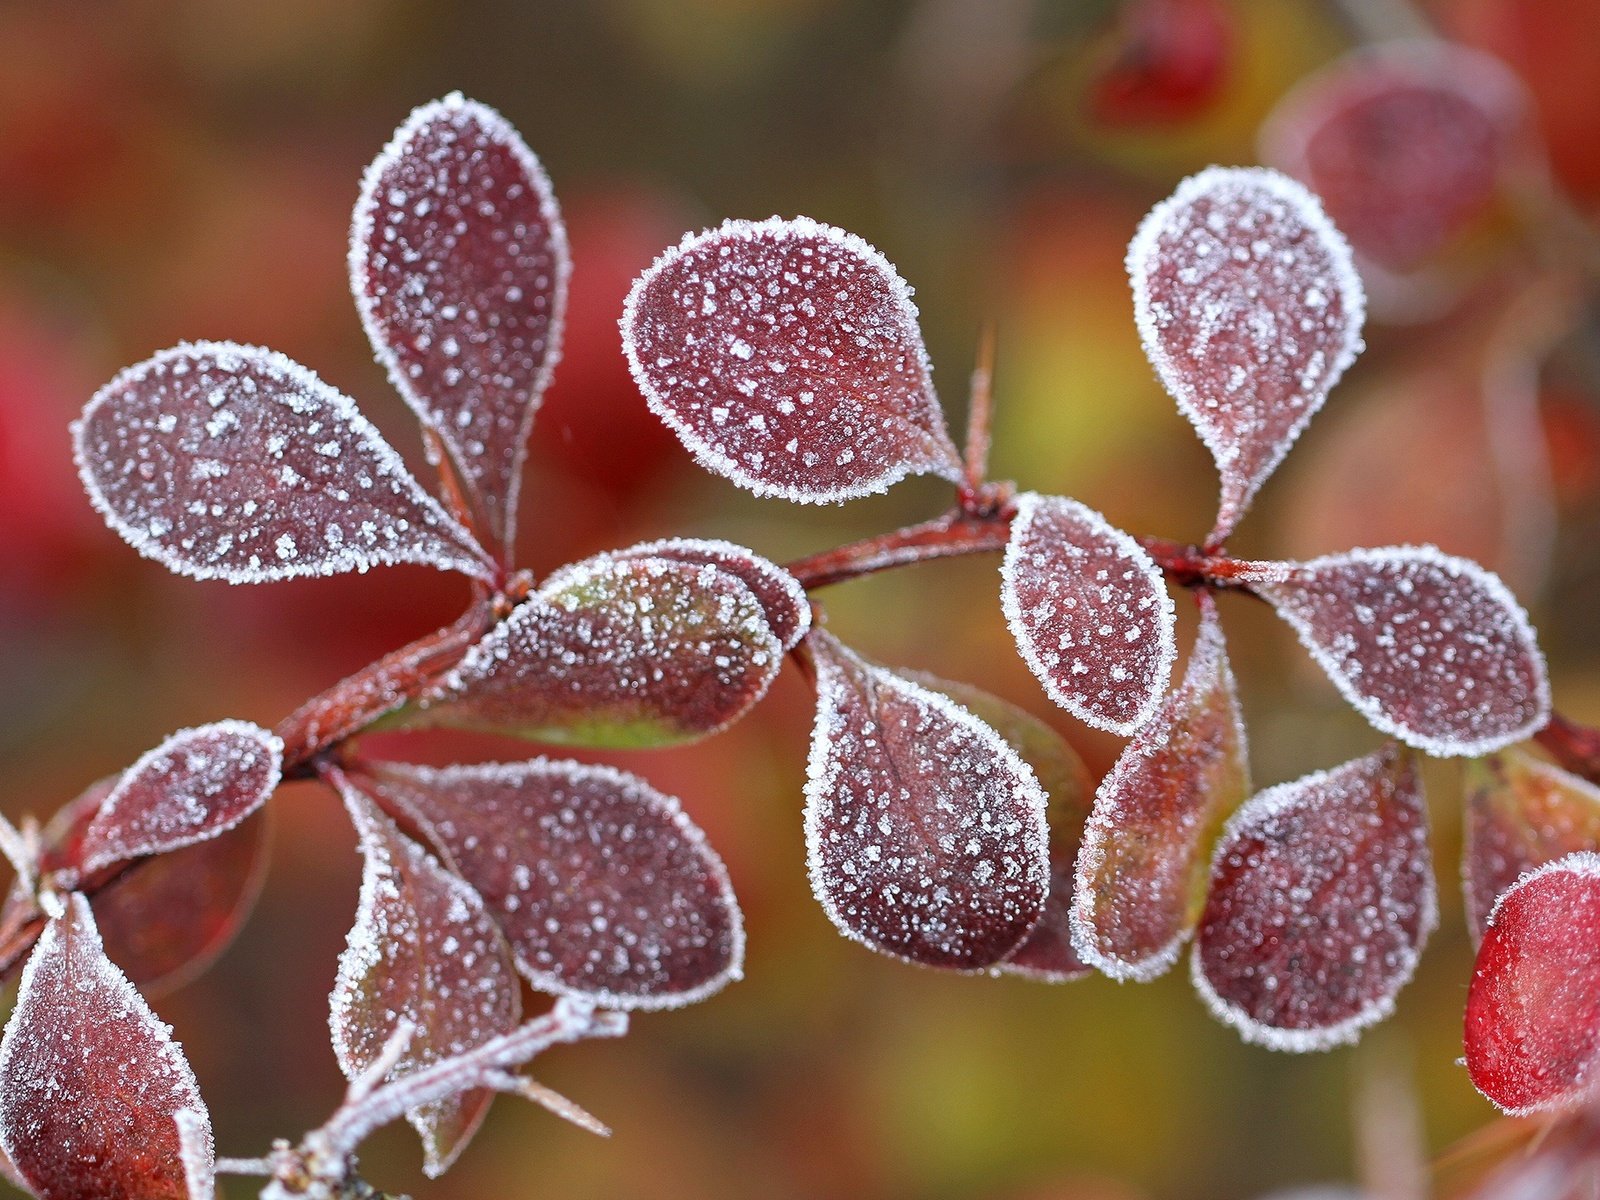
[617,652]
[787,358]
[1533,1011]
[603,885]
[423,949]
[196,784]
[1250,310]
[459,265]
[230,462]
[925,832]
[91,1081]
[1321,898]
[1090,612]
[1520,814]
[1430,648]
[1142,872]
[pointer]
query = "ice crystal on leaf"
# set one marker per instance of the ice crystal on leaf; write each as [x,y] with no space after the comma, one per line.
[1141,875]
[423,950]
[1089,610]
[603,886]
[459,265]
[91,1081]
[1321,898]
[787,358]
[1250,310]
[223,461]
[1533,1010]
[1430,648]
[925,831]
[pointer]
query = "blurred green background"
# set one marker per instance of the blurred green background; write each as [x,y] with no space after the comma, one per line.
[183,169]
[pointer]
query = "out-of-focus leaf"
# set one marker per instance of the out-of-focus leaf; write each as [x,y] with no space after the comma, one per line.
[91,1081]
[1141,877]
[459,265]
[423,950]
[1520,814]
[1169,64]
[925,832]
[1250,310]
[1089,611]
[230,462]
[1430,648]
[1321,898]
[787,358]
[603,886]
[616,652]
[1533,1010]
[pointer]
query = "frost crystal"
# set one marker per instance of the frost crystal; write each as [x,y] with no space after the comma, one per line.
[925,831]
[787,358]
[1250,310]
[1089,611]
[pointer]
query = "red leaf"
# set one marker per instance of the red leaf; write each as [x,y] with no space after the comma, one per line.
[459,265]
[787,358]
[1089,611]
[1533,1010]
[424,950]
[1321,898]
[196,784]
[925,832]
[617,652]
[1250,310]
[230,462]
[1520,814]
[1432,649]
[1141,878]
[91,1081]
[603,885]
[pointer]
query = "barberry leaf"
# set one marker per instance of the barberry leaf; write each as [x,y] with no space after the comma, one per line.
[223,461]
[1430,648]
[604,887]
[1141,879]
[1404,142]
[1089,611]
[196,784]
[459,265]
[925,831]
[1533,1010]
[1250,310]
[616,652]
[1321,898]
[1520,814]
[787,357]
[91,1081]
[423,950]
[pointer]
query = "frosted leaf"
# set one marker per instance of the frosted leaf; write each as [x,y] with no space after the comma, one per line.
[1405,143]
[925,832]
[1141,879]
[196,784]
[784,601]
[617,652]
[1321,898]
[1430,648]
[604,887]
[424,950]
[787,358]
[459,265]
[223,461]
[1533,1010]
[1089,611]
[90,1078]
[1250,310]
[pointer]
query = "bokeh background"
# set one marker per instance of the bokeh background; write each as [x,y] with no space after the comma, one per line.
[175,169]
